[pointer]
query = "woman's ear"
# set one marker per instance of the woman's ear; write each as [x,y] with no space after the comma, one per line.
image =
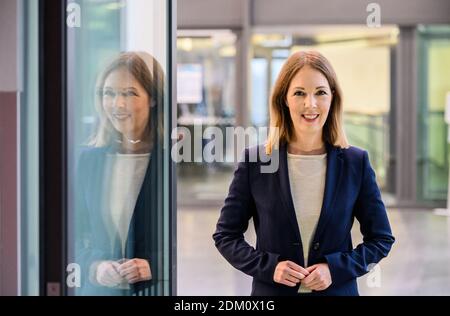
[152,103]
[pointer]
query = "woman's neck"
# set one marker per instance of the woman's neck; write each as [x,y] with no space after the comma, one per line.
[136,146]
[307,145]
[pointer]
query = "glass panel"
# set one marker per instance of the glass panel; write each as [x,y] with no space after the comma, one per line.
[118,100]
[29,148]
[206,98]
[433,154]
[206,73]
[260,108]
[276,67]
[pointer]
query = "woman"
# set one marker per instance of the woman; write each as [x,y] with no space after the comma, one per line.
[117,202]
[303,213]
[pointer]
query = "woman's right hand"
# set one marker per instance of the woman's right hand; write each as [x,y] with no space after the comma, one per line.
[107,273]
[135,270]
[289,273]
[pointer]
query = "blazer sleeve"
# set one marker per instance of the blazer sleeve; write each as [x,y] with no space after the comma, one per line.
[86,255]
[370,211]
[233,222]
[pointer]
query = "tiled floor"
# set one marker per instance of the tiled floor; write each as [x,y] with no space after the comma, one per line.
[419,262]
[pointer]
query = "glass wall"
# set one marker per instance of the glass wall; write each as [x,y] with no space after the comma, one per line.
[118,95]
[29,147]
[206,97]
[209,57]
[434,85]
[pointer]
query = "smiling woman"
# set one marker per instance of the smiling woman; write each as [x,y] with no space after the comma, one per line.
[304,212]
[119,202]
[117,244]
[128,91]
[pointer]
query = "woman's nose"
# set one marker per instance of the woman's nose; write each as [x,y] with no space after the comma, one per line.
[310,102]
[119,100]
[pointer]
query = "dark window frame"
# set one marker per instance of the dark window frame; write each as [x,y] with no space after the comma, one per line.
[53,145]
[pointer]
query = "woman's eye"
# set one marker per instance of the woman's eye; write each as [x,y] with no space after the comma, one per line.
[108,93]
[299,93]
[131,94]
[321,92]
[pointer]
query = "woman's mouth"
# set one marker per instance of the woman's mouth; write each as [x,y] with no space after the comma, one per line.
[310,117]
[121,116]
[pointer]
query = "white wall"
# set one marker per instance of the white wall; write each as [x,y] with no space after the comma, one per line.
[146,28]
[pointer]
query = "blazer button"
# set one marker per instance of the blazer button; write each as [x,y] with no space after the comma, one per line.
[316,246]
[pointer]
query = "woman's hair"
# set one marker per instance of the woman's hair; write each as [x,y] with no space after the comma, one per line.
[281,126]
[148,72]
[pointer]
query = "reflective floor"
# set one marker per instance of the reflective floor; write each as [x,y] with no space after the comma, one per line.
[419,263]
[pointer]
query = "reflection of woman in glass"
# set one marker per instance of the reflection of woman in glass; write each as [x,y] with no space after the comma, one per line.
[117,180]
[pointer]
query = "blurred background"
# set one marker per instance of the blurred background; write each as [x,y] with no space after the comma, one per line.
[394,78]
[221,60]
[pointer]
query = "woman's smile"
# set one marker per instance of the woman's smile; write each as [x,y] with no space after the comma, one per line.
[121,116]
[310,118]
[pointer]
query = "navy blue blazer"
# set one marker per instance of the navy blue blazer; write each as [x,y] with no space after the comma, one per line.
[350,191]
[92,241]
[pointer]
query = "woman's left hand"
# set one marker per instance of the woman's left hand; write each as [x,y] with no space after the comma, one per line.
[319,277]
[135,270]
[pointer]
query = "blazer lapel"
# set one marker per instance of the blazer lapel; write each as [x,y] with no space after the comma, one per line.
[332,183]
[286,195]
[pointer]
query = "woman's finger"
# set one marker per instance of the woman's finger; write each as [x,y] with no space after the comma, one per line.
[134,280]
[310,278]
[313,284]
[127,264]
[112,275]
[297,268]
[127,271]
[296,274]
[288,283]
[320,288]
[132,275]
[292,279]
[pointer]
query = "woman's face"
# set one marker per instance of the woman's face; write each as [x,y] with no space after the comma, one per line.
[309,98]
[126,103]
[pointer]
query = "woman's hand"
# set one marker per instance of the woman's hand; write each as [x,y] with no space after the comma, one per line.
[107,273]
[319,277]
[289,273]
[135,270]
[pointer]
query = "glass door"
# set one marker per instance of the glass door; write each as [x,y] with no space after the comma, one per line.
[106,166]
[434,84]
[118,79]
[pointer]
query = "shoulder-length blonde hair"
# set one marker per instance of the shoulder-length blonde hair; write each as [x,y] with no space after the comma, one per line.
[281,126]
[148,72]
